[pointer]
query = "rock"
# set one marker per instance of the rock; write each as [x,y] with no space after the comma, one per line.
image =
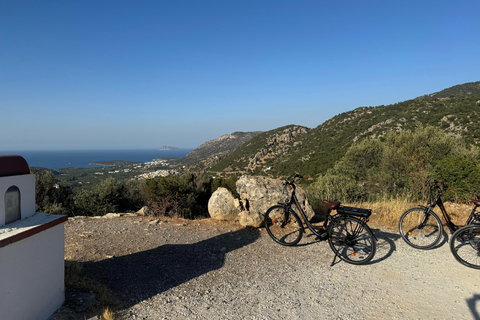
[111,215]
[251,219]
[144,211]
[257,194]
[222,205]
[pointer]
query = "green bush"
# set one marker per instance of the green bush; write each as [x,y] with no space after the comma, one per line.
[230,183]
[460,173]
[51,197]
[108,196]
[183,196]
[401,164]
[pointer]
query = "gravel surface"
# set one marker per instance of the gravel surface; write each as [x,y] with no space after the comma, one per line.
[176,269]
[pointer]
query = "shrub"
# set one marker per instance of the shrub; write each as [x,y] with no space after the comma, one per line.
[460,173]
[183,196]
[400,165]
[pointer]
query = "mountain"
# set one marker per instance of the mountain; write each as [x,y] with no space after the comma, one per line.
[294,148]
[466,89]
[212,151]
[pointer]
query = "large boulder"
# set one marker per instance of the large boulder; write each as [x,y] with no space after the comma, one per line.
[223,206]
[257,194]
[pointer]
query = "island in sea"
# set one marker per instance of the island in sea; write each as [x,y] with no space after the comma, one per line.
[168,148]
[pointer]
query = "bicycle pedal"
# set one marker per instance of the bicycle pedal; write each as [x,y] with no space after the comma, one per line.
[322,237]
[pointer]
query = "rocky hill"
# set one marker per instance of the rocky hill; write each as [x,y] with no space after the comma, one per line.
[212,151]
[294,148]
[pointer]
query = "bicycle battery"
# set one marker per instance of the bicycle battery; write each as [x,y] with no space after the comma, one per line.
[359,212]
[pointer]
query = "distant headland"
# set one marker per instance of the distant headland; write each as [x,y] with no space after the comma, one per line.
[168,148]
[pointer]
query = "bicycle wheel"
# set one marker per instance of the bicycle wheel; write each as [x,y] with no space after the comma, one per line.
[419,228]
[283,225]
[351,240]
[465,245]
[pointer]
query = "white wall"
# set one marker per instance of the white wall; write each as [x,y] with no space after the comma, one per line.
[32,275]
[26,184]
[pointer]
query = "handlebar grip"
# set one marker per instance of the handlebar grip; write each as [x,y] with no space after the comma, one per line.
[438,184]
[289,187]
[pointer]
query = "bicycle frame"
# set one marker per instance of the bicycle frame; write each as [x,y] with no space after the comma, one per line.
[293,200]
[328,219]
[439,202]
[346,232]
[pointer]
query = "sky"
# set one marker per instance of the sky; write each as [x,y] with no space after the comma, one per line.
[145,74]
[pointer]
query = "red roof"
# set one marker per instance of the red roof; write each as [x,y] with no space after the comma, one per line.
[13,165]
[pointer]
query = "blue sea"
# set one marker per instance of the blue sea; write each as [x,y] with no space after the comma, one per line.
[58,159]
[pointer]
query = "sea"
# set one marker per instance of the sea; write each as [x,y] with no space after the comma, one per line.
[60,159]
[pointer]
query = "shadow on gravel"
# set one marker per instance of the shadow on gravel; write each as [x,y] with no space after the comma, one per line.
[385,245]
[142,275]
[472,304]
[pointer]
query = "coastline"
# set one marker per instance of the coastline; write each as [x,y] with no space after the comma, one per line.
[61,159]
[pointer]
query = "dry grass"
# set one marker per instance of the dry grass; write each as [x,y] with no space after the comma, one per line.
[75,279]
[387,213]
[107,314]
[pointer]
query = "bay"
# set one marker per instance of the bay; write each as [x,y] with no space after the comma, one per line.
[59,159]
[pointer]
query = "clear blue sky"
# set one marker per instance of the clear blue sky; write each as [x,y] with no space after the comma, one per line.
[80,74]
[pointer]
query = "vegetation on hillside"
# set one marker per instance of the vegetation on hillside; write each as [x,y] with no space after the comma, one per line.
[368,154]
[184,196]
[401,165]
[318,149]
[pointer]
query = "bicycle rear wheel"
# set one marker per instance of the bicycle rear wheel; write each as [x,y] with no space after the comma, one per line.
[419,228]
[351,240]
[465,246]
[283,225]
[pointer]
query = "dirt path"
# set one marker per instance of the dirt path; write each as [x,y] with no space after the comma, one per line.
[218,270]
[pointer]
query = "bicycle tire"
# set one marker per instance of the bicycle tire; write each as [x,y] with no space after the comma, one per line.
[418,229]
[465,245]
[283,225]
[351,240]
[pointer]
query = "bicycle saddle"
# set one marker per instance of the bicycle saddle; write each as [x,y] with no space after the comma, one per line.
[332,205]
[476,202]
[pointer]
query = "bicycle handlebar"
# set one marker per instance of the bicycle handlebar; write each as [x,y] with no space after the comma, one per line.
[440,185]
[289,182]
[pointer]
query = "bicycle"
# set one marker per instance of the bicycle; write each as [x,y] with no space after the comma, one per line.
[347,232]
[421,228]
[465,245]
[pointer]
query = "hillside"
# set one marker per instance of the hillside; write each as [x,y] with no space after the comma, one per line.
[281,151]
[212,151]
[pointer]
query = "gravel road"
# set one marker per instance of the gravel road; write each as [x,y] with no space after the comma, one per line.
[204,269]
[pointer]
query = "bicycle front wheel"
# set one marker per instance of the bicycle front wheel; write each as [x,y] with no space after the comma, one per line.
[283,225]
[419,228]
[465,246]
[351,240]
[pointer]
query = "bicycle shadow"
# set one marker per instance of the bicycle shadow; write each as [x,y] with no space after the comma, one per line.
[139,276]
[385,245]
[472,302]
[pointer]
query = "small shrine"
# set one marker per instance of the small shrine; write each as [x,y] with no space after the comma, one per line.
[32,247]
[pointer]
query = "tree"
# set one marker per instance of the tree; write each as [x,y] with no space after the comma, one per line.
[460,173]
[51,197]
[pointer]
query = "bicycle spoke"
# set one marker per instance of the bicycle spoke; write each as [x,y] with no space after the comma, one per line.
[284,227]
[351,240]
[465,246]
[420,229]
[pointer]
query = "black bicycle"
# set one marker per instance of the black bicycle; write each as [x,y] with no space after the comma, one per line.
[421,228]
[465,245]
[347,232]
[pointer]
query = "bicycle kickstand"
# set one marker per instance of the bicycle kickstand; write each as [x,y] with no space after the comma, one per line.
[333,262]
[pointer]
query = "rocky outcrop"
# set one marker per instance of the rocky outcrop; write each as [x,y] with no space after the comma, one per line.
[212,151]
[277,145]
[257,194]
[223,206]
